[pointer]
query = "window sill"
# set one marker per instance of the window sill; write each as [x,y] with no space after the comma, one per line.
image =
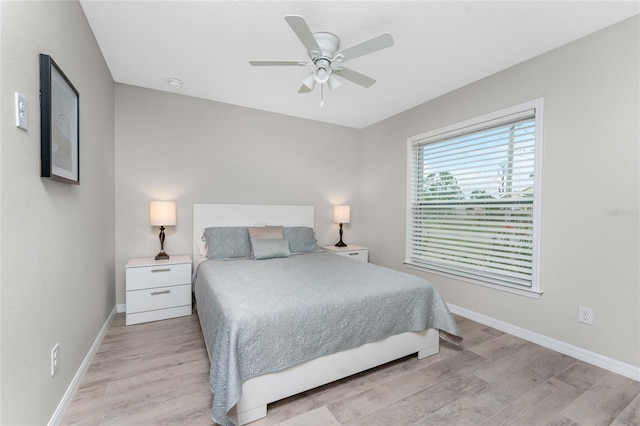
[533,294]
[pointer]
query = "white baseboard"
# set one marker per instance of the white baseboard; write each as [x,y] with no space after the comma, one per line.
[613,365]
[56,419]
[121,308]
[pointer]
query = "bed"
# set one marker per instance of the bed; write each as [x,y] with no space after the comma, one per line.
[298,317]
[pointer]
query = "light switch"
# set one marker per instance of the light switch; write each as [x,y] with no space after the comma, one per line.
[22,111]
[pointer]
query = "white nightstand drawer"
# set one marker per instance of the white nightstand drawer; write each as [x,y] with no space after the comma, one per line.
[157,276]
[351,251]
[158,298]
[361,255]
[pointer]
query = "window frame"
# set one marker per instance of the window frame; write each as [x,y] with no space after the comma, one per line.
[467,126]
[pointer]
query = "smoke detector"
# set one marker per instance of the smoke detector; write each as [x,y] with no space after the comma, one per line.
[175,83]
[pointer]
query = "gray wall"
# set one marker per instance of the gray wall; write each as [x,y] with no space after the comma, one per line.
[173,147]
[57,265]
[590,231]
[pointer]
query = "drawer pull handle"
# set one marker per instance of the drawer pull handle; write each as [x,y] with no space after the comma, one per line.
[353,254]
[161,270]
[156,293]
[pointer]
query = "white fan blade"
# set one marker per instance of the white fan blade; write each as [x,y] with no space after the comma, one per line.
[278,63]
[300,27]
[368,46]
[354,76]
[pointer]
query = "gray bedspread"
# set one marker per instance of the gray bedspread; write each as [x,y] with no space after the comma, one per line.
[266,315]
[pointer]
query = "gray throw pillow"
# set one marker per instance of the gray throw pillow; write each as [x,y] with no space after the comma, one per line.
[270,249]
[228,242]
[302,239]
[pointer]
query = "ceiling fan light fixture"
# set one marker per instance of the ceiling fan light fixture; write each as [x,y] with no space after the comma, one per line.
[322,71]
[309,81]
[333,82]
[322,74]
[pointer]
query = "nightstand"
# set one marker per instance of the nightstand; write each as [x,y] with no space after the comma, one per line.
[351,251]
[158,289]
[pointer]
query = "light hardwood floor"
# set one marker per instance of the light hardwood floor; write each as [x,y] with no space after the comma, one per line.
[157,373]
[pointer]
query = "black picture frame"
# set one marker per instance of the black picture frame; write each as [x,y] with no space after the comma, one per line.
[59,124]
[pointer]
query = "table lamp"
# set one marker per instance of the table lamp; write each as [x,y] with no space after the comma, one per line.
[341,214]
[162,213]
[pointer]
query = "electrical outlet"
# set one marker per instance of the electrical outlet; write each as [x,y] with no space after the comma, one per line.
[22,111]
[585,315]
[55,358]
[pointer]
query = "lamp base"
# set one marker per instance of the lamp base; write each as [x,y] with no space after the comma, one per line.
[340,243]
[162,256]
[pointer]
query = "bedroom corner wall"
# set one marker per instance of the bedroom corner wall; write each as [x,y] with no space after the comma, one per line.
[57,247]
[190,150]
[591,186]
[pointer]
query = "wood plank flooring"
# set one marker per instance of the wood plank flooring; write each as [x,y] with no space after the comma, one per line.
[157,374]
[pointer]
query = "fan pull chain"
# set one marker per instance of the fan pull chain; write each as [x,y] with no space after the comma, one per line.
[321,95]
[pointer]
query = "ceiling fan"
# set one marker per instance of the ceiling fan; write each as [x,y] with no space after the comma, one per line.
[322,48]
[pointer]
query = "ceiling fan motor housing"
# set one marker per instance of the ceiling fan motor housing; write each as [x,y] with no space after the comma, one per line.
[329,44]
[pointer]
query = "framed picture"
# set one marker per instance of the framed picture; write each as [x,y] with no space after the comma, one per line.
[59,124]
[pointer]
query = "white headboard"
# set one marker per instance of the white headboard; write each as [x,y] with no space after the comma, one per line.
[209,215]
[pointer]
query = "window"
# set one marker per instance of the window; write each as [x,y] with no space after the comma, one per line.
[473,202]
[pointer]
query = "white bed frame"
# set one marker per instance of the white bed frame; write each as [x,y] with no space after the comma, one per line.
[262,390]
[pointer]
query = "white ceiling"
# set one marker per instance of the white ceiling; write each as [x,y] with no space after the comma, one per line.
[439,47]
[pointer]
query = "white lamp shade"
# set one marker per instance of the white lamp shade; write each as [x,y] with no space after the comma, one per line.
[310,81]
[333,82]
[162,213]
[341,214]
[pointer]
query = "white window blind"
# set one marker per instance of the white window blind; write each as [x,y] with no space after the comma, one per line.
[471,200]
